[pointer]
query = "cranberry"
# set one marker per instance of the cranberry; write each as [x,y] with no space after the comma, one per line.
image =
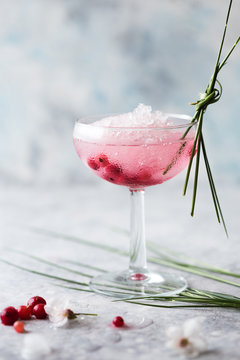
[34,301]
[103,160]
[93,164]
[144,175]
[121,180]
[24,312]
[190,151]
[112,172]
[18,326]
[9,315]
[130,180]
[118,321]
[39,311]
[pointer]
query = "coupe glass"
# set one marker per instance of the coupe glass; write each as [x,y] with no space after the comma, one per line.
[136,157]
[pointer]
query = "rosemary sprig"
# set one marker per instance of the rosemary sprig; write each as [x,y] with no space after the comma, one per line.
[210,96]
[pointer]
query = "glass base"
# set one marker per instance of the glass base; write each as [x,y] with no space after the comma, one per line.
[127,284]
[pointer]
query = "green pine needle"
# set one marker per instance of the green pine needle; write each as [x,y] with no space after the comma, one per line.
[43,274]
[203,271]
[210,96]
[193,297]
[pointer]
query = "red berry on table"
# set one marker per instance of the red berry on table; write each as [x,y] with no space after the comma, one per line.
[103,160]
[9,315]
[24,312]
[118,321]
[34,301]
[39,311]
[18,326]
[93,164]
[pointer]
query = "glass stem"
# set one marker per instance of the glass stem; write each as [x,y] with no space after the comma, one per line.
[138,261]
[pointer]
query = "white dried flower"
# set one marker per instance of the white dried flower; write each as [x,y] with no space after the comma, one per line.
[58,311]
[187,339]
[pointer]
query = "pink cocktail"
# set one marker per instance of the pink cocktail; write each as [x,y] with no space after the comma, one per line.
[137,166]
[131,151]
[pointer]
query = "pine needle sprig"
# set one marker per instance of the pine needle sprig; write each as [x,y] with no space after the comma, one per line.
[203,270]
[211,95]
[47,262]
[50,276]
[190,298]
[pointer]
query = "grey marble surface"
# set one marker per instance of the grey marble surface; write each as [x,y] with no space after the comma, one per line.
[94,213]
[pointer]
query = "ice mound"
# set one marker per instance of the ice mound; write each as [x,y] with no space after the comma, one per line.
[142,116]
[142,126]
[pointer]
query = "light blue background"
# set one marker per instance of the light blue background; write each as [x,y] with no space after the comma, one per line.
[61,60]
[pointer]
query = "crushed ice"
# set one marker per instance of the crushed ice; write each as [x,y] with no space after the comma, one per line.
[142,116]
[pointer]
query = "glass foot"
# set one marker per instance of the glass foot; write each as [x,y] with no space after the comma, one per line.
[128,284]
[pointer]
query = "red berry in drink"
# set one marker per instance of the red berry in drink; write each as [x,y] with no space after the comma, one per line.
[118,321]
[129,180]
[9,315]
[103,160]
[39,311]
[24,312]
[190,151]
[112,172]
[121,180]
[144,176]
[34,301]
[18,326]
[93,164]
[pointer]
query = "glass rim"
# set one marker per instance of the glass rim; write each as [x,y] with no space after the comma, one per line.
[185,117]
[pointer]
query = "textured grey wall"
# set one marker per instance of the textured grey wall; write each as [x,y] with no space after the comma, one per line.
[65,59]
